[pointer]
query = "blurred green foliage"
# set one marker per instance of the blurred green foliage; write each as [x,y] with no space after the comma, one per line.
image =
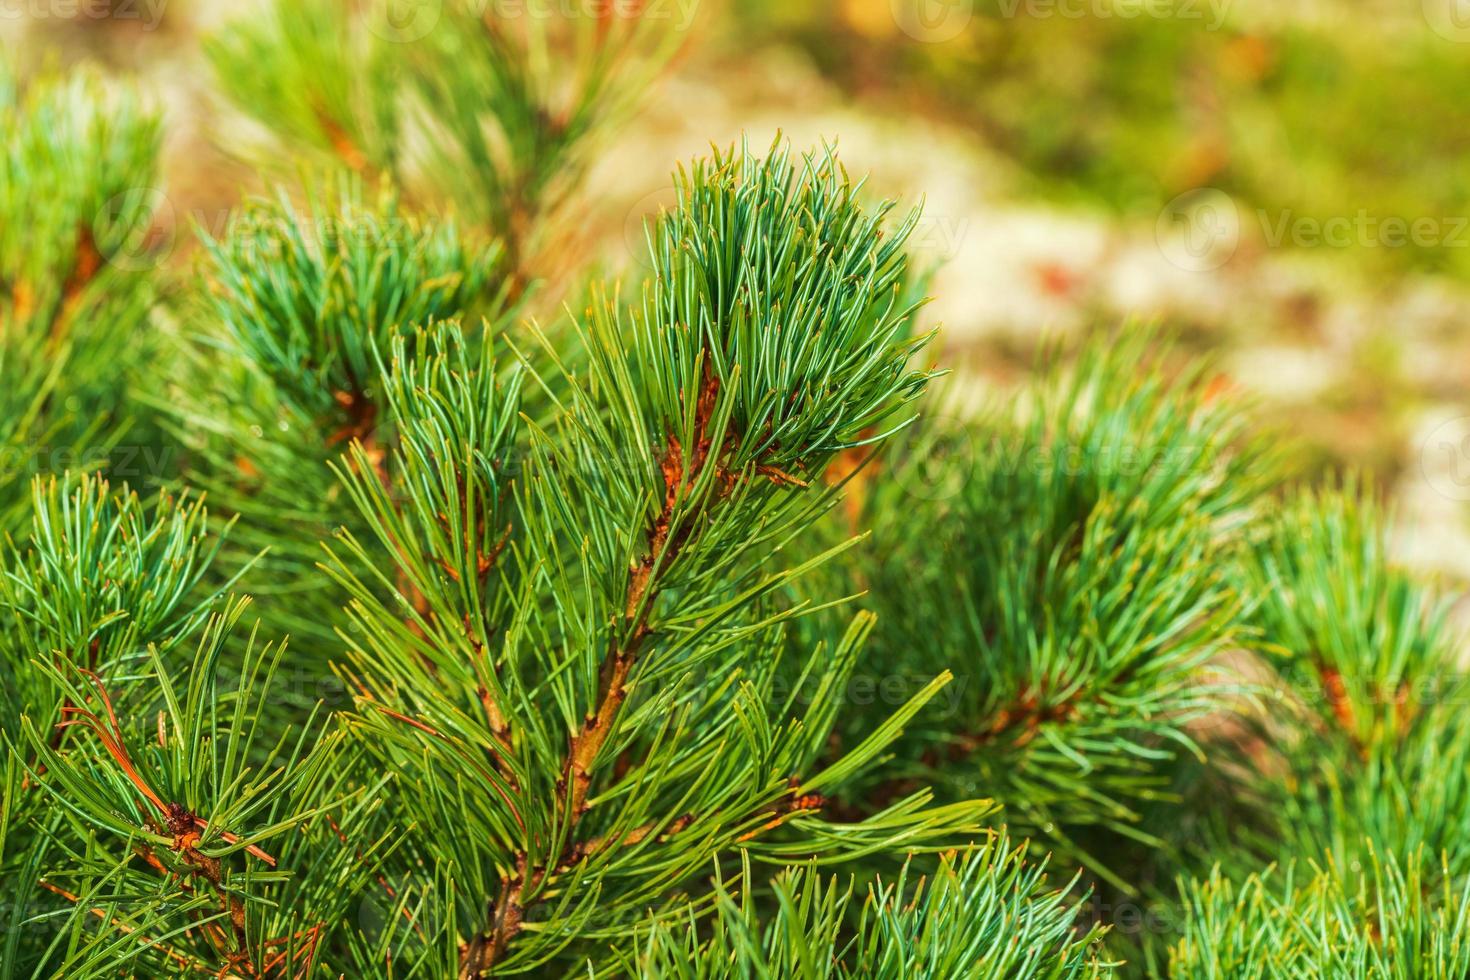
[1297,117]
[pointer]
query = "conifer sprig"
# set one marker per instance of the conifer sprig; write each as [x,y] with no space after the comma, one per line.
[515,106]
[77,163]
[1389,919]
[179,834]
[307,295]
[599,708]
[1069,559]
[202,859]
[601,698]
[984,913]
[320,78]
[304,299]
[502,103]
[1362,739]
[99,579]
[1362,641]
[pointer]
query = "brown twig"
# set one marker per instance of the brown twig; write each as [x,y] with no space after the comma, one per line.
[183,825]
[485,950]
[174,956]
[84,268]
[586,744]
[1338,700]
[22,300]
[582,850]
[1019,722]
[793,805]
[342,144]
[663,546]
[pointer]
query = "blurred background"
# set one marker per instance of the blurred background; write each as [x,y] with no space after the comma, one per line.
[1282,183]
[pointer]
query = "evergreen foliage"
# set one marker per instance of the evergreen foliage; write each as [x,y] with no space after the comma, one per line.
[302,302]
[586,609]
[462,102]
[1381,919]
[77,165]
[1068,558]
[1364,738]
[985,914]
[582,659]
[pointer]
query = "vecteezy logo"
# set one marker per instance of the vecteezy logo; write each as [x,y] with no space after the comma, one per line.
[404,21]
[639,225]
[134,229]
[1444,459]
[1450,19]
[1199,230]
[936,462]
[932,21]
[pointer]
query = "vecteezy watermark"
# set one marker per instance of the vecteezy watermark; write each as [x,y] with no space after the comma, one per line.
[935,463]
[1450,19]
[148,12]
[138,229]
[641,221]
[1131,918]
[680,13]
[937,237]
[939,460]
[1212,13]
[1200,230]
[1444,459]
[863,690]
[122,461]
[127,227]
[1363,230]
[932,21]
[406,21]
[937,21]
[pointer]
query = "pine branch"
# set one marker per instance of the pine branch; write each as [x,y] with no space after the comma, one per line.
[1385,919]
[1068,556]
[598,707]
[983,914]
[320,76]
[653,478]
[76,297]
[304,299]
[505,111]
[1362,738]
[157,814]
